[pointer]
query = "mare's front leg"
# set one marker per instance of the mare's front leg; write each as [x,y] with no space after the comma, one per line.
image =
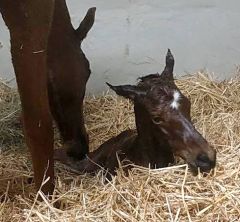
[29,23]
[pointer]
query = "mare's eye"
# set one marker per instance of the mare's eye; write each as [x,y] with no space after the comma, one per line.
[157,120]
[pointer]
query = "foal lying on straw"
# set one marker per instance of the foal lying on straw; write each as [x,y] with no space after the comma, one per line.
[163,129]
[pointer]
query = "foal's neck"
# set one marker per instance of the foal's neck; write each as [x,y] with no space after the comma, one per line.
[154,147]
[145,129]
[144,126]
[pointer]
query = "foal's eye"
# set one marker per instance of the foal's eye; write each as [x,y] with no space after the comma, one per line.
[157,120]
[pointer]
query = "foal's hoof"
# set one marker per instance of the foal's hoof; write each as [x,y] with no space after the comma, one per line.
[61,155]
[70,163]
[76,155]
[76,149]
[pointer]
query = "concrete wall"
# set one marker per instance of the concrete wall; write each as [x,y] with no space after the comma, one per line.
[130,38]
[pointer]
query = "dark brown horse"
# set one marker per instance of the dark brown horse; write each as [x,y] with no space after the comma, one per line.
[50,69]
[164,129]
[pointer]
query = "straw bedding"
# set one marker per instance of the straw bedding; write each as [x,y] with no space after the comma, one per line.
[169,194]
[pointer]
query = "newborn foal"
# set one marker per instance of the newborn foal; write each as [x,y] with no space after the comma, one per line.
[164,129]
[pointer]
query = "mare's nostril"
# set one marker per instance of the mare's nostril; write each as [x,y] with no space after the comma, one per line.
[203,161]
[202,157]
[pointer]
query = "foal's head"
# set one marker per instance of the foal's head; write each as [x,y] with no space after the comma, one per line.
[169,112]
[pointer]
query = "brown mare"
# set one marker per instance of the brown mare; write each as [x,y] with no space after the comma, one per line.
[50,69]
[164,129]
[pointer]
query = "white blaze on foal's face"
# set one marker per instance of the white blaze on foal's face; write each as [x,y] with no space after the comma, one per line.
[175,102]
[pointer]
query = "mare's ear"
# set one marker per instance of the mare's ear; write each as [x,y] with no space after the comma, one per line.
[167,73]
[86,24]
[128,91]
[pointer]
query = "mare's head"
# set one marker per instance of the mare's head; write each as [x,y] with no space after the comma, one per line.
[168,110]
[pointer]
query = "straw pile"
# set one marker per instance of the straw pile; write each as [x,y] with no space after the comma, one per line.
[170,194]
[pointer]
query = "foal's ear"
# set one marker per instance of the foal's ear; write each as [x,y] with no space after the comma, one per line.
[168,70]
[128,91]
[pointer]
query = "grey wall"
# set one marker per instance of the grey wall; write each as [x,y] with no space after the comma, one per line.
[130,38]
